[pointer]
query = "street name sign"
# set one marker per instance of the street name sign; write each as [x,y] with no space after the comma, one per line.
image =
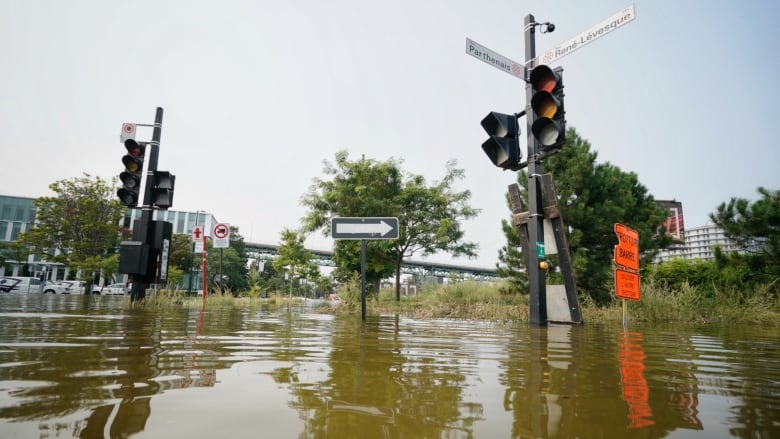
[494,59]
[606,26]
[364,228]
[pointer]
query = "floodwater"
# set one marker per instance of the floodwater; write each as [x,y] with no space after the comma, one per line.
[90,367]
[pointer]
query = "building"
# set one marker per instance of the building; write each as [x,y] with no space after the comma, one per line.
[699,242]
[17,214]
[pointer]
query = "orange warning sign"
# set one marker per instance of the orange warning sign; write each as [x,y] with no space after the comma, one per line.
[626,284]
[627,250]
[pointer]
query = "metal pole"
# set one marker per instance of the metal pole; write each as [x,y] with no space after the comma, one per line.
[203,268]
[192,260]
[141,283]
[536,280]
[363,279]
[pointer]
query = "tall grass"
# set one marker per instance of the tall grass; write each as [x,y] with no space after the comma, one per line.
[490,301]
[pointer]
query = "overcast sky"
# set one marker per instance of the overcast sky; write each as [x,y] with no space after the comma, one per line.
[257,94]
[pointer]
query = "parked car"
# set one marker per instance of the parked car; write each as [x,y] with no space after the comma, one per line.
[73,286]
[54,288]
[118,289]
[20,284]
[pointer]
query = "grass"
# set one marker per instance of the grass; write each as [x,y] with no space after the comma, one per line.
[490,302]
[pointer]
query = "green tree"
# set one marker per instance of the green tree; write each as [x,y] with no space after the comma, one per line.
[293,256]
[592,198]
[429,216]
[79,225]
[227,262]
[754,228]
[181,253]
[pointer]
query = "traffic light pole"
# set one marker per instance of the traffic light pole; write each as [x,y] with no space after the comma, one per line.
[536,279]
[146,230]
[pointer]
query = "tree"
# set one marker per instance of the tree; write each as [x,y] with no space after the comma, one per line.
[428,216]
[754,227]
[592,198]
[292,254]
[79,225]
[181,253]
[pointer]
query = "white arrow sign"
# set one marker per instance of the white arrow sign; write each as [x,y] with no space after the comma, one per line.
[364,228]
[380,228]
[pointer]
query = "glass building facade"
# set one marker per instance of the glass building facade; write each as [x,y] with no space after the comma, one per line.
[17,214]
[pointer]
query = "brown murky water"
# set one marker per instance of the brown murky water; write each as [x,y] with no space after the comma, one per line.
[87,367]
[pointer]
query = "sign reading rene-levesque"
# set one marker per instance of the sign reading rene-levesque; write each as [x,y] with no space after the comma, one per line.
[364,228]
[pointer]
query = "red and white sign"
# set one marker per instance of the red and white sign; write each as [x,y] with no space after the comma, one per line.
[128,132]
[221,236]
[197,234]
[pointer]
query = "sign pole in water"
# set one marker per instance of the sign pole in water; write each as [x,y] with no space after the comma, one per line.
[363,228]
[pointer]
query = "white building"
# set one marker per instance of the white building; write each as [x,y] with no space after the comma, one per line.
[699,242]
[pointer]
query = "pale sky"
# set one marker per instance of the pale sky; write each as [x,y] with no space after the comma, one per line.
[258,93]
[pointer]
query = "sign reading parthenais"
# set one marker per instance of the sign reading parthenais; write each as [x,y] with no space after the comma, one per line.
[364,228]
[608,25]
[500,62]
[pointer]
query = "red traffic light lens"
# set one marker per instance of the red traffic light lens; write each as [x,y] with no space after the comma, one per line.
[543,78]
[134,148]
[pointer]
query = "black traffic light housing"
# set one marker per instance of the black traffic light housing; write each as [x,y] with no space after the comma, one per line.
[549,123]
[163,183]
[503,146]
[130,191]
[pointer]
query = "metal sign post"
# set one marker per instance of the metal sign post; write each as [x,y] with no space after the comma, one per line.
[364,228]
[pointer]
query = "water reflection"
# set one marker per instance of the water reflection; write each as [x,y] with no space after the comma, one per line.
[76,367]
[635,390]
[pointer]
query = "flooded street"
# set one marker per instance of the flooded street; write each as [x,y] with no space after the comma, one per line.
[80,366]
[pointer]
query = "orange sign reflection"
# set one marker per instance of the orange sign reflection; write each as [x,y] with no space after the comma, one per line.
[635,390]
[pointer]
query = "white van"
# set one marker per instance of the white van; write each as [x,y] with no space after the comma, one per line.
[20,284]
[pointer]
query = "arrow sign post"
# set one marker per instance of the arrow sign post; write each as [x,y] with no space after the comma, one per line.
[364,228]
[355,228]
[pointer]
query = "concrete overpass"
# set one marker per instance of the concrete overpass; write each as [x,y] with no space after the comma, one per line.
[262,251]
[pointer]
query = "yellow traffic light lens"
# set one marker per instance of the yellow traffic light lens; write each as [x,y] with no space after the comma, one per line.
[547,108]
[132,167]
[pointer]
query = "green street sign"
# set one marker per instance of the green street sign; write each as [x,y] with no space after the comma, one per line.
[540,250]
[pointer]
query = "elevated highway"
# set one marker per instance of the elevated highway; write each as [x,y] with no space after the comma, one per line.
[262,251]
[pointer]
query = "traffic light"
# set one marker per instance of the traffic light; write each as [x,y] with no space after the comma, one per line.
[503,146]
[549,126]
[162,189]
[131,177]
